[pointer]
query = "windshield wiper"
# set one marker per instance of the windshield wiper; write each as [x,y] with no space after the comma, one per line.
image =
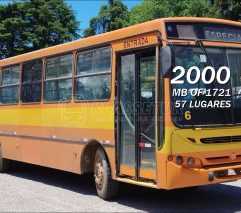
[199,44]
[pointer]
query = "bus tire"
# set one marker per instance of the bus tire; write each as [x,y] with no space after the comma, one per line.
[4,163]
[106,187]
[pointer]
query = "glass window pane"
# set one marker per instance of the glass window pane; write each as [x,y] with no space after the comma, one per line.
[147,87]
[31,86]
[9,95]
[84,65]
[93,88]
[147,110]
[51,68]
[6,77]
[59,67]
[31,93]
[234,61]
[102,59]
[58,90]
[65,66]
[10,75]
[94,61]
[32,72]
[15,75]
[127,110]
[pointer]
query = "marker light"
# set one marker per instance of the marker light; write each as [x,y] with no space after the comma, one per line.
[179,160]
[170,157]
[190,161]
[210,176]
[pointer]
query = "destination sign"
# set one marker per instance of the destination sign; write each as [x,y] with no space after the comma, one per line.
[222,34]
[205,31]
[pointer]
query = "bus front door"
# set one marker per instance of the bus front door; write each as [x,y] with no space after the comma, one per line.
[136,115]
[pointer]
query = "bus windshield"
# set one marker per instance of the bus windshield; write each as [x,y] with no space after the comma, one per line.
[215,104]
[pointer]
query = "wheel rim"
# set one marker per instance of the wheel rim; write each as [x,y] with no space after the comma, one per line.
[99,174]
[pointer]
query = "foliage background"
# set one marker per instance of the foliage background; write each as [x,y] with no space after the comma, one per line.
[34,24]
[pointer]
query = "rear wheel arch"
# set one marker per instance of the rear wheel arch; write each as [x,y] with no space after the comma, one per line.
[87,158]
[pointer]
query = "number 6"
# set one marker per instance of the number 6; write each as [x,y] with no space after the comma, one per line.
[188,115]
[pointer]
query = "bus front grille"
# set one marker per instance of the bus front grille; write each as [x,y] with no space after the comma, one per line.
[223,139]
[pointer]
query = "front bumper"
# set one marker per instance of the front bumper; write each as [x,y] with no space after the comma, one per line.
[180,177]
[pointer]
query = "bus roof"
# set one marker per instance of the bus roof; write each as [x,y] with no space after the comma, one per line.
[107,38]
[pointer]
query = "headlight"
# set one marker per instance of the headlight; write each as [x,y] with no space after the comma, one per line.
[190,161]
[179,160]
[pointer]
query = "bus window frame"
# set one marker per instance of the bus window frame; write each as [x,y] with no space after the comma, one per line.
[94,74]
[52,79]
[41,81]
[19,82]
[160,99]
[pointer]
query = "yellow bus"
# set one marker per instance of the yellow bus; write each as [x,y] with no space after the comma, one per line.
[104,105]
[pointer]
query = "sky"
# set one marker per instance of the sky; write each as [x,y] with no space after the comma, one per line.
[86,9]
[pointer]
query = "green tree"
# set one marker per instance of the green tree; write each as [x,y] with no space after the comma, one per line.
[228,9]
[152,9]
[112,16]
[11,27]
[34,24]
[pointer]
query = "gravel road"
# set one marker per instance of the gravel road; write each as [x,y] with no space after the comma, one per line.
[30,188]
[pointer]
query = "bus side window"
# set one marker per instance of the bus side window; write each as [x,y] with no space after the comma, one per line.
[93,75]
[58,79]
[10,85]
[31,82]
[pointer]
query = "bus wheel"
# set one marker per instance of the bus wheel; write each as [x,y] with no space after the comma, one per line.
[4,163]
[105,186]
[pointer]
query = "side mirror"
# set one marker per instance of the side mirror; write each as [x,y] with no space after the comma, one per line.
[166,56]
